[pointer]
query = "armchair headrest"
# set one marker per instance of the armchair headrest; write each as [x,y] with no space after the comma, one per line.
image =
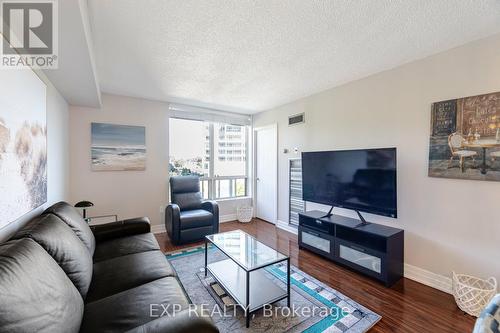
[184,184]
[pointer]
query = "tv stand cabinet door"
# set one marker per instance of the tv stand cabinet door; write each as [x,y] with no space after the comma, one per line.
[361,259]
[317,242]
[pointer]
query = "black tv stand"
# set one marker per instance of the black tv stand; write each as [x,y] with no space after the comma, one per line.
[369,248]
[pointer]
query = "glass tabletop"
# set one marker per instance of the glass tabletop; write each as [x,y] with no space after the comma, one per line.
[245,250]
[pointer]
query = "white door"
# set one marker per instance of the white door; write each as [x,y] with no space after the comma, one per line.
[266,173]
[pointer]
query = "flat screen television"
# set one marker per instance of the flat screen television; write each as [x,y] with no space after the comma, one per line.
[363,180]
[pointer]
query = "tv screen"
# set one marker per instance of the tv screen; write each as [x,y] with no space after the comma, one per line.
[363,180]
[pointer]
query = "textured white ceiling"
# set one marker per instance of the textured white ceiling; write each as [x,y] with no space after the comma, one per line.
[248,56]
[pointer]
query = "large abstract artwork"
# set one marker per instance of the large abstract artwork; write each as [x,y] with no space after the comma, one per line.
[465,138]
[23,144]
[118,147]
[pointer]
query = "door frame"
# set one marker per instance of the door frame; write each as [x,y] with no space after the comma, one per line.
[274,127]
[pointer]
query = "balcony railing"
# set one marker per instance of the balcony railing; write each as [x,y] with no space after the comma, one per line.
[223,187]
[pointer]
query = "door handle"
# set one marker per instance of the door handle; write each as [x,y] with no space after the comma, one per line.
[258,179]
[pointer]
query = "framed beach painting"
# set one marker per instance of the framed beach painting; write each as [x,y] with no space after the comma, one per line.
[118,147]
[23,144]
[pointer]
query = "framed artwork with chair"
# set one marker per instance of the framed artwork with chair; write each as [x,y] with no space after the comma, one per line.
[465,138]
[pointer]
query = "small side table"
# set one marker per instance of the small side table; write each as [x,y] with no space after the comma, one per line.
[89,219]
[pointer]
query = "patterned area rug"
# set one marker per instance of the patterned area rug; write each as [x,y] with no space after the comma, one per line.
[315,307]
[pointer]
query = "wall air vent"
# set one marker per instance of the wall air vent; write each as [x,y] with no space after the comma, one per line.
[296,119]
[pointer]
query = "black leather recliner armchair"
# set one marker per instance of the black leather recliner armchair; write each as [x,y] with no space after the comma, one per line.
[189,218]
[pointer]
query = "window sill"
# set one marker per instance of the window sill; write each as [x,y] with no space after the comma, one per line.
[233,199]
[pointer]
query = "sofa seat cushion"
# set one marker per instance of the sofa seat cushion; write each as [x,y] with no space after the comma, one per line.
[125,245]
[35,293]
[57,238]
[133,307]
[121,273]
[195,319]
[75,221]
[196,218]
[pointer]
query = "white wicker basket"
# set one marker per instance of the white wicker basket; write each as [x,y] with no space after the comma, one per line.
[245,214]
[472,294]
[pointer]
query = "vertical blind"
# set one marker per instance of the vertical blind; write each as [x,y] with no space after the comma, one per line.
[297,205]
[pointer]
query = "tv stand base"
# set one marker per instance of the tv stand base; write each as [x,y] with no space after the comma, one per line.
[362,219]
[329,214]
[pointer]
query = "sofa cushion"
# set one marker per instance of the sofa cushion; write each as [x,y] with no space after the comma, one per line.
[75,221]
[195,319]
[196,218]
[57,238]
[36,294]
[118,274]
[123,228]
[132,308]
[125,245]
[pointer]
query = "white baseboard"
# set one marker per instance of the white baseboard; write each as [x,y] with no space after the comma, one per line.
[158,228]
[228,218]
[287,227]
[428,278]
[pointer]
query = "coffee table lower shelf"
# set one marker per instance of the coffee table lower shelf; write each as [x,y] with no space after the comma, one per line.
[233,279]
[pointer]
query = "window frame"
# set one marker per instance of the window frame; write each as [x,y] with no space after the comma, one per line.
[214,180]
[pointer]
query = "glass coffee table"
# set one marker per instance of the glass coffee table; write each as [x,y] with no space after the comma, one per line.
[242,275]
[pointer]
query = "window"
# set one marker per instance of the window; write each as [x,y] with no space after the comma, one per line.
[217,152]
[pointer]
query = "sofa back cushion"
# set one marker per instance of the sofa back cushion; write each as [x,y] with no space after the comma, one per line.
[185,192]
[57,238]
[36,294]
[75,221]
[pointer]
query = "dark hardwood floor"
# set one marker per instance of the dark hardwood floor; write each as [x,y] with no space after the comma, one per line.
[406,307]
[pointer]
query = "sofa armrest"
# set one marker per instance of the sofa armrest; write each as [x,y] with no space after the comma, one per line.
[212,207]
[186,321]
[122,228]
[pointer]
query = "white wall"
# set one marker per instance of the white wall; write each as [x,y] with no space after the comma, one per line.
[449,224]
[57,156]
[126,193]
